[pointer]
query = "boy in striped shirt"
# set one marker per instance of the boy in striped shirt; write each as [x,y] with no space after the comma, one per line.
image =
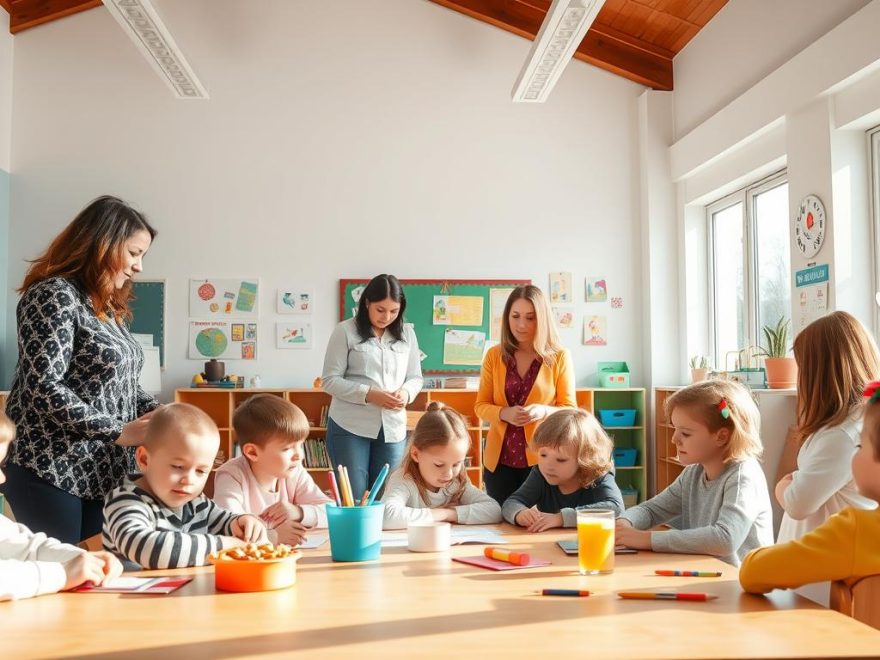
[162,519]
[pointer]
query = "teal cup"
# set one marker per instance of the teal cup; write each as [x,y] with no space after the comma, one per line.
[355,531]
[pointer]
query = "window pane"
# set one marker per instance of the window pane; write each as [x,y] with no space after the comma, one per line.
[773,257]
[730,312]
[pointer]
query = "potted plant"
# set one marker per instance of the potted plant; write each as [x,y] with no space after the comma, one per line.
[699,368]
[781,369]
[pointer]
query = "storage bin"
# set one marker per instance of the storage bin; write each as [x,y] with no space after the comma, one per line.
[618,417]
[613,374]
[355,531]
[625,456]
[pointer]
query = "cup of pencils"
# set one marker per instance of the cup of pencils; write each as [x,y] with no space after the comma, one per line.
[355,526]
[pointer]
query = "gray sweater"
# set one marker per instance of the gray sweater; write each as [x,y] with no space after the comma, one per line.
[727,517]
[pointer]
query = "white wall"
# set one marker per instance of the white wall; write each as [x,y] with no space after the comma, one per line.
[341,139]
[741,45]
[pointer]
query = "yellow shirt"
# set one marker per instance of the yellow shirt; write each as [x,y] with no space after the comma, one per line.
[844,547]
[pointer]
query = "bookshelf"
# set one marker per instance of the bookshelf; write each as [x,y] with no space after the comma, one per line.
[666,465]
[219,404]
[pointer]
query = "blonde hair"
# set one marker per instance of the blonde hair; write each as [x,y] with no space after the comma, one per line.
[7,429]
[178,418]
[440,425]
[265,416]
[574,427]
[836,359]
[546,342]
[704,401]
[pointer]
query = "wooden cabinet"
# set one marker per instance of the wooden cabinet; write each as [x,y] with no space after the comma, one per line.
[632,479]
[666,465]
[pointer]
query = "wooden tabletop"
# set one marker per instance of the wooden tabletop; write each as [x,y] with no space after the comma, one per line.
[418,605]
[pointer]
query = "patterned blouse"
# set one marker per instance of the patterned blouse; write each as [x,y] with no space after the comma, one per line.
[516,390]
[75,386]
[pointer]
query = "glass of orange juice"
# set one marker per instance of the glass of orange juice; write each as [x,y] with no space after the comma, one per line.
[595,541]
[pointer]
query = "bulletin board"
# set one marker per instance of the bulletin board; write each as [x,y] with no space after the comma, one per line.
[148,312]
[448,334]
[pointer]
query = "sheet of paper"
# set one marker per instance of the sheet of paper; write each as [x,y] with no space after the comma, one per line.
[497,301]
[463,347]
[313,541]
[458,310]
[460,534]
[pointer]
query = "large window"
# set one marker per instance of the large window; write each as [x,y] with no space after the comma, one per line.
[750,266]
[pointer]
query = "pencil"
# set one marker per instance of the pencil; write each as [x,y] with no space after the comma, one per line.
[380,479]
[349,496]
[343,481]
[334,488]
[679,573]
[667,595]
[564,592]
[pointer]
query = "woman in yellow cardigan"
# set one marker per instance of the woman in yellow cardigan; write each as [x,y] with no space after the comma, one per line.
[527,377]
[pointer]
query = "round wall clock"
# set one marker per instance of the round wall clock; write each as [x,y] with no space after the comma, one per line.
[809,226]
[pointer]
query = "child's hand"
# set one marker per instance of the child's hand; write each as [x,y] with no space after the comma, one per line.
[249,529]
[526,517]
[291,532]
[277,513]
[112,566]
[444,515]
[545,521]
[85,567]
[626,534]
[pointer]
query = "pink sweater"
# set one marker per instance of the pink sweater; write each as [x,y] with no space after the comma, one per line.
[236,489]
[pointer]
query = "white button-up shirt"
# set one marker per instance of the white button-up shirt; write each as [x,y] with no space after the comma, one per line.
[352,366]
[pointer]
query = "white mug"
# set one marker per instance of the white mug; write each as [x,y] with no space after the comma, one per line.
[428,536]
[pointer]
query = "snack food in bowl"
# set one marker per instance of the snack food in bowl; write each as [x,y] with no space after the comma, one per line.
[253,567]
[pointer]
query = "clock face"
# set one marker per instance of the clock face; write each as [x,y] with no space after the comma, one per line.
[809,226]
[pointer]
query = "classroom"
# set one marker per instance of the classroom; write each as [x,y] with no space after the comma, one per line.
[583,296]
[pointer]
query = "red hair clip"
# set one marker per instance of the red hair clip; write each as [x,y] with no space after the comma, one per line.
[724,409]
[872,391]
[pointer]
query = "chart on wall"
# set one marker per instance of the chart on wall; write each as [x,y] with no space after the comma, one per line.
[223,297]
[227,340]
[148,312]
[453,319]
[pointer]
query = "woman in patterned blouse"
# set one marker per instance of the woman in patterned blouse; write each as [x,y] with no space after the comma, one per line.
[527,377]
[75,396]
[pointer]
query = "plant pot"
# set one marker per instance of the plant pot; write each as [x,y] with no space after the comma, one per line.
[698,375]
[781,373]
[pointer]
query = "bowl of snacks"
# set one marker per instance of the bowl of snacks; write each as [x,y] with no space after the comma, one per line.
[255,567]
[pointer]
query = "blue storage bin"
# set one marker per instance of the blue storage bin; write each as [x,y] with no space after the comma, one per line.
[622,417]
[625,456]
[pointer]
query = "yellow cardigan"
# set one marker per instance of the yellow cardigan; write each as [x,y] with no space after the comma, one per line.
[844,547]
[554,386]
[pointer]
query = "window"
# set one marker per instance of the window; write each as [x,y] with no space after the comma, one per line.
[750,266]
[874,142]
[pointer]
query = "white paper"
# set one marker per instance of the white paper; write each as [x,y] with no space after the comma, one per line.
[313,541]
[144,340]
[459,535]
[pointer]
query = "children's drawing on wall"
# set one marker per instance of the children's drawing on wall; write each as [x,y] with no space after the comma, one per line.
[458,310]
[617,302]
[463,347]
[497,300]
[560,288]
[217,297]
[564,316]
[250,331]
[293,335]
[221,339]
[441,310]
[597,290]
[295,301]
[595,331]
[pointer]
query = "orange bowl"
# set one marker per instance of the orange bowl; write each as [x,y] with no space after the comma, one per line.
[256,574]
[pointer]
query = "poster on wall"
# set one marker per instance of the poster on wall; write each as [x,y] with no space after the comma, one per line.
[293,335]
[564,316]
[463,347]
[295,301]
[596,289]
[223,297]
[811,285]
[595,331]
[497,301]
[222,340]
[560,288]
[458,310]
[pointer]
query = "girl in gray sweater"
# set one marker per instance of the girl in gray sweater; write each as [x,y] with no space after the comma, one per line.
[721,498]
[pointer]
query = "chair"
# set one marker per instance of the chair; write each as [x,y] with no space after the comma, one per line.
[91,544]
[861,601]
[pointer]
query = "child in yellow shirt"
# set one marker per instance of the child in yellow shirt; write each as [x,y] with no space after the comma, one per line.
[842,548]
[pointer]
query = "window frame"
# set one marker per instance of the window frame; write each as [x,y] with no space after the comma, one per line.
[746,196]
[873,137]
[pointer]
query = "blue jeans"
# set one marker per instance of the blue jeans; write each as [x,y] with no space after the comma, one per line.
[363,457]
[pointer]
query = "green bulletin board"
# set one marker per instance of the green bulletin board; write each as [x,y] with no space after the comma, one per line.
[420,312]
[148,312]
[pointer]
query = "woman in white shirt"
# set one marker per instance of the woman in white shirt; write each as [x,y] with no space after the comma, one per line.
[372,370]
[836,359]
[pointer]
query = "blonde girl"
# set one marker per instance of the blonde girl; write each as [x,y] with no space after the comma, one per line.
[574,471]
[432,482]
[836,359]
[524,379]
[721,497]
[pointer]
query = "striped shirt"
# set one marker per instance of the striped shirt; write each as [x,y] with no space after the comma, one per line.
[140,528]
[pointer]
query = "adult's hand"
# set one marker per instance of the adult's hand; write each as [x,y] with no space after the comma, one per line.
[516,415]
[134,433]
[384,399]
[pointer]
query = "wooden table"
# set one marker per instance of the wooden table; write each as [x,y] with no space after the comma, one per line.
[416,605]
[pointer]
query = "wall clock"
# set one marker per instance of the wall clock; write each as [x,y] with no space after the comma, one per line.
[809,226]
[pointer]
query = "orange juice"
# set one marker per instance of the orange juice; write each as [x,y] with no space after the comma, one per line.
[595,542]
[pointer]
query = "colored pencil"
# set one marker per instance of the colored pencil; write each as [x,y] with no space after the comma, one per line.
[343,483]
[334,488]
[679,573]
[364,498]
[377,485]
[564,592]
[349,496]
[669,595]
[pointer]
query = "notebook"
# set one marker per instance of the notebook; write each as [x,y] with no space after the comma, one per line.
[495,565]
[136,585]
[571,548]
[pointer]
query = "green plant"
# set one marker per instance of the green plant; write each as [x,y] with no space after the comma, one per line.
[699,362]
[777,339]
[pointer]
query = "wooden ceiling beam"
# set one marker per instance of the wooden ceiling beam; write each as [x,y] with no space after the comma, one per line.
[24,14]
[605,48]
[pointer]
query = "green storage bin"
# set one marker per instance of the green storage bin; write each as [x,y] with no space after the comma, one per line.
[613,374]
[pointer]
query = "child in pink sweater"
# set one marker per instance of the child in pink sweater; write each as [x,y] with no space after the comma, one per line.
[268,479]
